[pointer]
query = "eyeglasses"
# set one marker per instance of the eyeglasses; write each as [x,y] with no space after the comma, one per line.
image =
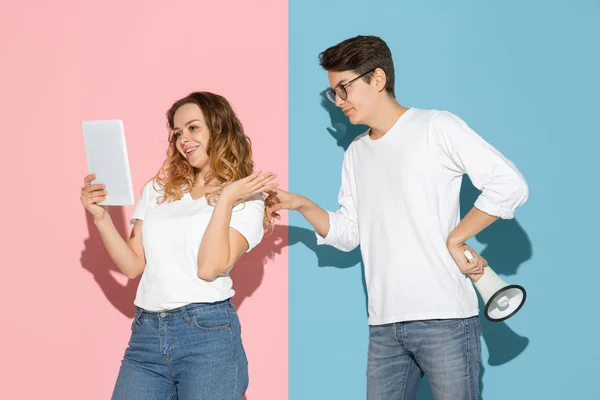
[340,90]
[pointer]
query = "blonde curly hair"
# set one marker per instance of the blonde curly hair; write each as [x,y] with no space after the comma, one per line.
[229,151]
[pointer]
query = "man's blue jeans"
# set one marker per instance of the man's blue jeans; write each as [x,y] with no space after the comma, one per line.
[447,351]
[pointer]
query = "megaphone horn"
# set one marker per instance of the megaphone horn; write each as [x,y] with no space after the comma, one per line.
[502,300]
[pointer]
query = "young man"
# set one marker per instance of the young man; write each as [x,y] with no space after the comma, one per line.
[399,199]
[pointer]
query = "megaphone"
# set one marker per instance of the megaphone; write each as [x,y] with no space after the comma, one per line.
[502,300]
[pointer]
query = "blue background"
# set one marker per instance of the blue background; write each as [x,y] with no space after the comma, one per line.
[525,76]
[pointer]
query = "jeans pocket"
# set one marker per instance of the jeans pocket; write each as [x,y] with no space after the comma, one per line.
[136,318]
[212,320]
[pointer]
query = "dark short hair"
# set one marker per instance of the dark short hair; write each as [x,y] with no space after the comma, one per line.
[361,54]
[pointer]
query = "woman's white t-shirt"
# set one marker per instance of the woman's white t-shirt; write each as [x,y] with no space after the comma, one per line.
[171,236]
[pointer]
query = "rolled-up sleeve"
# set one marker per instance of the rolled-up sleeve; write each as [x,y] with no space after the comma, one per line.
[503,188]
[343,224]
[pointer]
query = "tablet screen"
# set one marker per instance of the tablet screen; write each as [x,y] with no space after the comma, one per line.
[106,152]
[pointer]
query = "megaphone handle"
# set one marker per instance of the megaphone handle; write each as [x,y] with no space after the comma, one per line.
[469,256]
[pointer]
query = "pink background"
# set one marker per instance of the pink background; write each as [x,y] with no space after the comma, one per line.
[67,313]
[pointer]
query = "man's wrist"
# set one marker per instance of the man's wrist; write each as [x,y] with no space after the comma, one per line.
[454,241]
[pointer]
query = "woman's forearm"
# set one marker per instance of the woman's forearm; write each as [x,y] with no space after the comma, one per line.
[215,248]
[127,260]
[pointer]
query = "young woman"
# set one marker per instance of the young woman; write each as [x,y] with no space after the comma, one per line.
[202,211]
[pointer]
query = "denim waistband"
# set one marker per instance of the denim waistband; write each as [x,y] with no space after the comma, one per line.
[184,311]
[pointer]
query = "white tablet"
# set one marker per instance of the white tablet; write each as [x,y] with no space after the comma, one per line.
[106,152]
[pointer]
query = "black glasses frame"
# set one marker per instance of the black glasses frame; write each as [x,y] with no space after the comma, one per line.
[340,90]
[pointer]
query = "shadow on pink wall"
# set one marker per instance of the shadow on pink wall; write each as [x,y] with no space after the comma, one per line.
[96,260]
